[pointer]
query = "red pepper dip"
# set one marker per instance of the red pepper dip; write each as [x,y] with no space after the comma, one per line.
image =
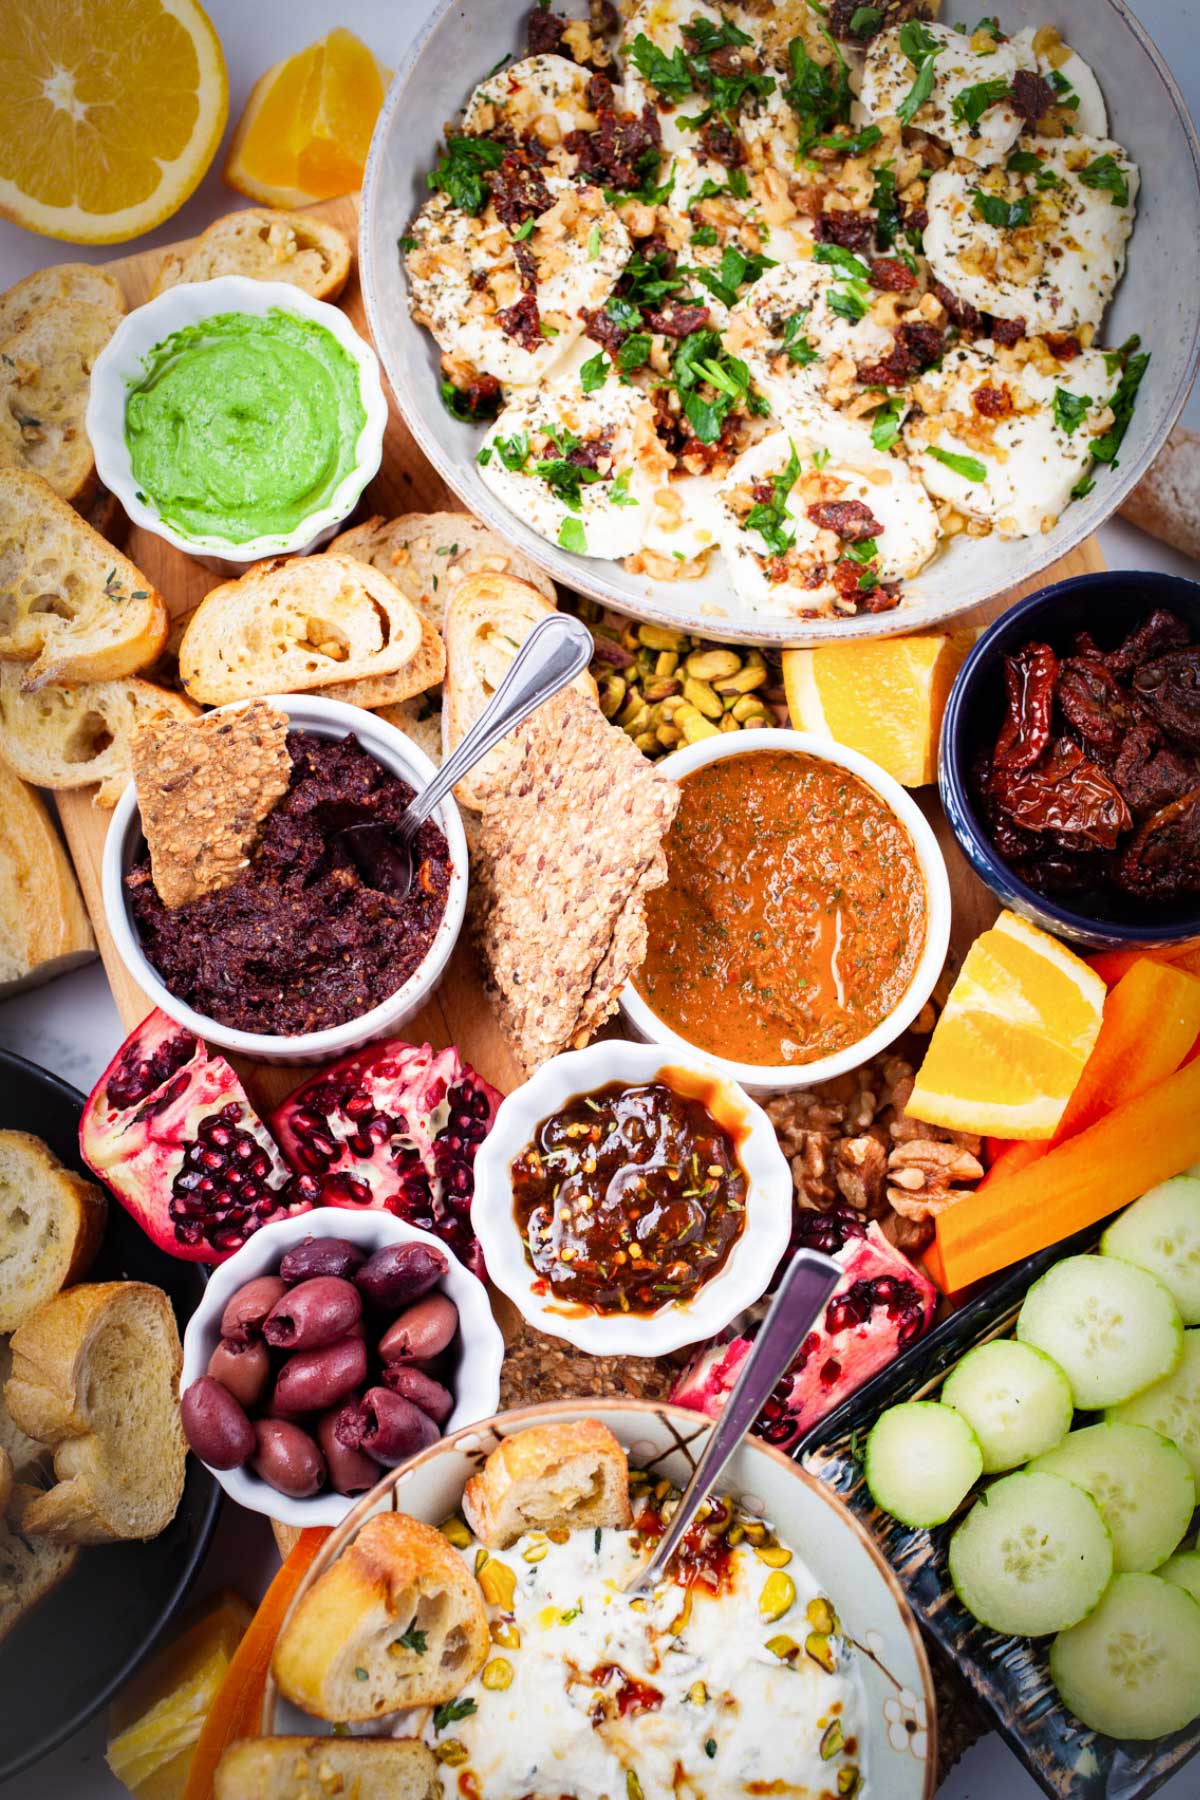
[630,1198]
[309,935]
[794,912]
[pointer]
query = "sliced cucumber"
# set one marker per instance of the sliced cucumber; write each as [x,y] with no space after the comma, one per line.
[1161,1233]
[1172,1405]
[1132,1668]
[1184,1570]
[1033,1555]
[922,1460]
[1015,1399]
[1140,1482]
[1111,1328]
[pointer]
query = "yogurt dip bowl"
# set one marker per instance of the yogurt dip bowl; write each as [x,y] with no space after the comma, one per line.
[896,1738]
[242,398]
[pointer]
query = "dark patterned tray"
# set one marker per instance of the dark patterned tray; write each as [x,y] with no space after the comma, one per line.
[1010,1675]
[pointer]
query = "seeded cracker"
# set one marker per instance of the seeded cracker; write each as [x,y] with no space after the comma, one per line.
[204,788]
[569,846]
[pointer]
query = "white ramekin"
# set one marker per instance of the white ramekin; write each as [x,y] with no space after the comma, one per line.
[751,1263]
[396,752]
[122,363]
[761,1078]
[476,1378]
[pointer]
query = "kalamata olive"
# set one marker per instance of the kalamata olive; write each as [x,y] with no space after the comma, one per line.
[400,1273]
[424,1330]
[215,1425]
[387,1426]
[287,1458]
[243,1368]
[421,1389]
[314,1379]
[316,1312]
[245,1312]
[350,1471]
[321,1256]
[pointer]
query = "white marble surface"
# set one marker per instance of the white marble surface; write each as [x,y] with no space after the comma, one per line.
[71,1026]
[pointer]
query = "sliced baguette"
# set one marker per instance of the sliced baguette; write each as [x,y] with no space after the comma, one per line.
[45,374]
[51,1224]
[44,929]
[62,737]
[397,1574]
[71,607]
[1166,501]
[296,1768]
[96,1377]
[61,281]
[421,720]
[551,1477]
[30,1567]
[430,555]
[31,1462]
[426,670]
[288,626]
[268,246]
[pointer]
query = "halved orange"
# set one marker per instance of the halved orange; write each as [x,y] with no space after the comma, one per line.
[306,128]
[884,697]
[109,115]
[1011,1043]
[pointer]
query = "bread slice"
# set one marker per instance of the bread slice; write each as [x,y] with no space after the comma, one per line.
[421,720]
[430,555]
[70,737]
[45,375]
[71,607]
[290,625]
[398,1574]
[44,929]
[61,281]
[1166,501]
[30,1461]
[425,671]
[296,1768]
[269,246]
[565,1477]
[96,1376]
[30,1567]
[51,1224]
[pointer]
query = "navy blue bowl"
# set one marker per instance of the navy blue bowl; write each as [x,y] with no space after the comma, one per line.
[1109,605]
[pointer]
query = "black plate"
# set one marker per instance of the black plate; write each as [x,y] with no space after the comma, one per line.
[69,1656]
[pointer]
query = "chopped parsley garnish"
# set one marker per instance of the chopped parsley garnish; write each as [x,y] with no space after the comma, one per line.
[844,259]
[461,172]
[524,231]
[458,405]
[690,71]
[1082,488]
[1070,410]
[450,1712]
[888,222]
[991,25]
[623,313]
[1064,93]
[648,281]
[820,458]
[885,423]
[619,494]
[738,185]
[818,93]
[593,244]
[921,48]
[634,352]
[1134,366]
[571,536]
[768,517]
[849,297]
[970,103]
[700,361]
[513,451]
[648,189]
[1028,162]
[849,301]
[669,75]
[594,373]
[417,1641]
[865,551]
[969,467]
[406,243]
[864,20]
[736,268]
[797,346]
[863,140]
[1106,172]
[1005,215]
[566,479]
[704,236]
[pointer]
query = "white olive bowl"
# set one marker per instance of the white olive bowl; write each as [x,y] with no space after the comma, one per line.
[398,754]
[759,1078]
[478,1348]
[899,1719]
[748,1269]
[122,363]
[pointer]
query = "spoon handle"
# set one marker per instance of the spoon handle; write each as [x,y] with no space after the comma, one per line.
[555,652]
[809,1281]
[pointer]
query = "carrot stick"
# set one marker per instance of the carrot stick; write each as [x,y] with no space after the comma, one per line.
[1013,1154]
[1188,959]
[1151,1020]
[1081,1181]
[1110,965]
[237,1709]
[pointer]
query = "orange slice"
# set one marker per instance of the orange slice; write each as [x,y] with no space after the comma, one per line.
[307,125]
[884,698]
[109,115]
[1017,1029]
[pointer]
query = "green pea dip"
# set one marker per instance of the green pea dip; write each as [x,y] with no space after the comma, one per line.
[244,424]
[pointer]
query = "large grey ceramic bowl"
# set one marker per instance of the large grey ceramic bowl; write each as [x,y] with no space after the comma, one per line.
[1158,298]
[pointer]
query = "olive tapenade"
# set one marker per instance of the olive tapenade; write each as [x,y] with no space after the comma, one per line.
[629,1199]
[309,935]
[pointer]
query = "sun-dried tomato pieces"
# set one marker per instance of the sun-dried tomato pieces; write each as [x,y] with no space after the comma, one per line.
[544,32]
[1029,678]
[522,322]
[1162,860]
[1065,793]
[851,520]
[992,402]
[1093,702]
[1008,331]
[959,312]
[676,320]
[1031,95]
[1169,689]
[891,275]
[519,190]
[852,230]
[613,154]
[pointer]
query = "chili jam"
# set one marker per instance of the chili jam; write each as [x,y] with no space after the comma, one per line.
[793,915]
[630,1198]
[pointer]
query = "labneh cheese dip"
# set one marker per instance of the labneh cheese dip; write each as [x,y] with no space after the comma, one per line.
[729,1679]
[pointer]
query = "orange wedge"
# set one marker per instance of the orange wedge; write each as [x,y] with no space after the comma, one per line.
[307,125]
[109,115]
[1011,1044]
[884,698]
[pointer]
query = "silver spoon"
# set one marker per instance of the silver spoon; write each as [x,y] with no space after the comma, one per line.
[555,652]
[810,1280]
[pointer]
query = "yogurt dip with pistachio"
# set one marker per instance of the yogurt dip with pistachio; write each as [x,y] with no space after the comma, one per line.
[730,1678]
